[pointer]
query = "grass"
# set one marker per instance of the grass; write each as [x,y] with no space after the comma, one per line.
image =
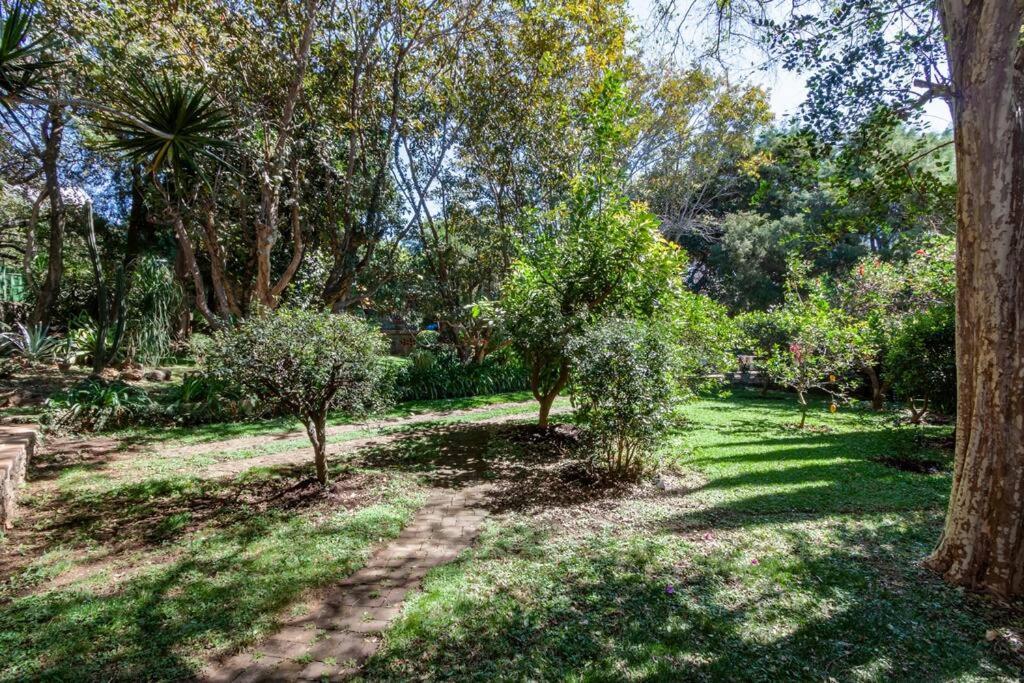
[147,579]
[773,554]
[780,555]
[211,433]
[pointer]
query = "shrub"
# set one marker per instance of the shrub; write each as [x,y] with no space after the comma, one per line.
[33,343]
[202,397]
[303,363]
[624,386]
[94,405]
[440,374]
[922,361]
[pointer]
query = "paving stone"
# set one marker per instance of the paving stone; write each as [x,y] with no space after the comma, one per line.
[339,627]
[276,646]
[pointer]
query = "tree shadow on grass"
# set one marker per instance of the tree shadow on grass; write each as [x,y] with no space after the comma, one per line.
[221,591]
[818,473]
[646,609]
[520,468]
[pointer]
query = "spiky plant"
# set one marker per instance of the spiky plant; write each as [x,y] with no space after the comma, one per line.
[168,126]
[23,61]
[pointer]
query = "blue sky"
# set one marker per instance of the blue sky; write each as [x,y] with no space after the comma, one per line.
[787,89]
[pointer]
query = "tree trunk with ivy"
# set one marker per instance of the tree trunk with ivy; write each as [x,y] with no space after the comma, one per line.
[982,545]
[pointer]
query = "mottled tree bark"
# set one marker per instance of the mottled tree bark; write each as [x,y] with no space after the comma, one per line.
[982,545]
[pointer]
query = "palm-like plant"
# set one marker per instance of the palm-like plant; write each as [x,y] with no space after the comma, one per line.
[23,61]
[168,126]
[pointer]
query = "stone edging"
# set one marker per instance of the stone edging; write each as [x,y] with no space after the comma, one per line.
[17,444]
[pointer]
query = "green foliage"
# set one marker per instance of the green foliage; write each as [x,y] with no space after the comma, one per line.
[623,384]
[23,63]
[700,337]
[440,374]
[168,125]
[31,342]
[922,359]
[202,398]
[303,363]
[94,405]
[155,296]
[821,351]
[597,254]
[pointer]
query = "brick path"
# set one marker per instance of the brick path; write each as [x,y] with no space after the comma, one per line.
[342,630]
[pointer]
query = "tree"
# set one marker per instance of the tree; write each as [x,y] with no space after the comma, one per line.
[171,130]
[305,363]
[884,295]
[820,352]
[596,254]
[874,57]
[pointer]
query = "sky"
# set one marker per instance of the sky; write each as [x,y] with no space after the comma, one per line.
[786,89]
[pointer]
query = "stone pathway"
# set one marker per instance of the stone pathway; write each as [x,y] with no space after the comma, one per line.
[342,630]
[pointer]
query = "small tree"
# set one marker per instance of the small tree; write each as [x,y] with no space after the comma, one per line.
[822,351]
[623,382]
[597,254]
[304,363]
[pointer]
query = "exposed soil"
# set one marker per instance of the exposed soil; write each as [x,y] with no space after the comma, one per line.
[915,465]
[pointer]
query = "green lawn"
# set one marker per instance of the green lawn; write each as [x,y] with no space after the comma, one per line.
[211,433]
[147,579]
[771,554]
[776,555]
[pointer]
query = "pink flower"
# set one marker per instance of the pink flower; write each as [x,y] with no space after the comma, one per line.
[755,562]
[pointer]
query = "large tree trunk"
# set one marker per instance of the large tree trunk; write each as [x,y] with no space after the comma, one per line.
[53,134]
[982,545]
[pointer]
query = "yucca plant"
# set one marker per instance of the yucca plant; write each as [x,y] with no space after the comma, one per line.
[23,61]
[33,343]
[168,126]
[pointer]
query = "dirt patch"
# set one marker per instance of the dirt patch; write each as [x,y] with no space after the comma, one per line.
[915,465]
[247,442]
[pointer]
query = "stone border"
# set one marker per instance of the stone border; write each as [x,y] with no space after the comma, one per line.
[17,444]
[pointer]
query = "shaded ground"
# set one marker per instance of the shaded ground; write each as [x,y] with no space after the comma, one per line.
[769,554]
[760,553]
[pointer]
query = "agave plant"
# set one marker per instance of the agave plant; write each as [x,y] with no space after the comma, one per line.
[33,343]
[168,126]
[23,62]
